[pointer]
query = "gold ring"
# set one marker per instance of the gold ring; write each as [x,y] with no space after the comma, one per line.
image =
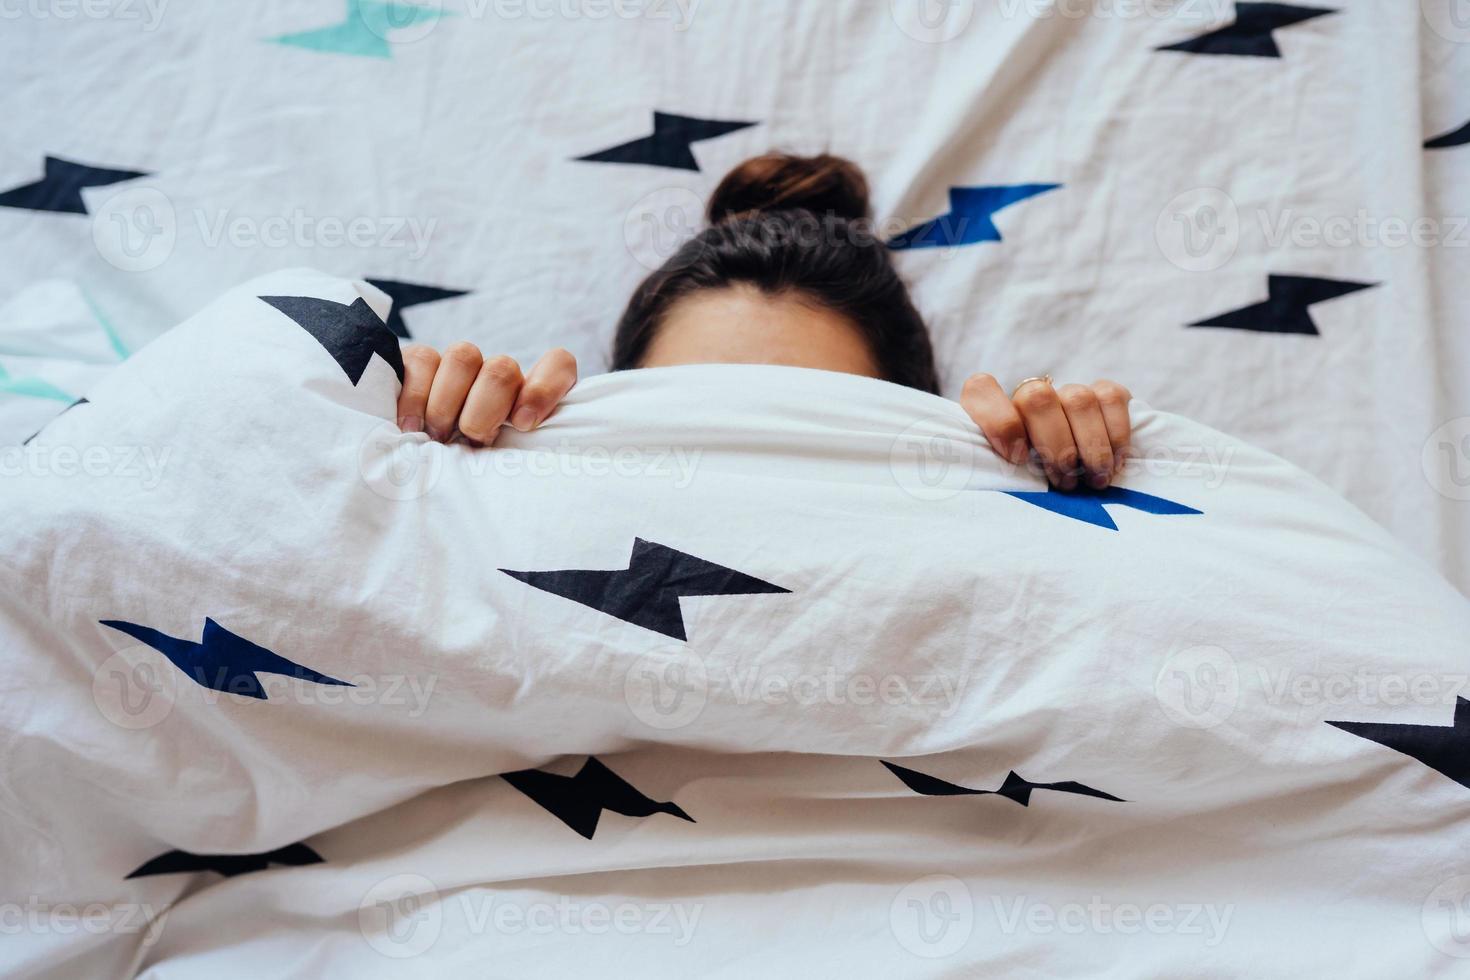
[1043,378]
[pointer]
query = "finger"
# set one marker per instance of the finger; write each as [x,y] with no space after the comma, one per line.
[1049,432]
[1114,399]
[1089,433]
[546,385]
[457,371]
[419,366]
[490,399]
[987,403]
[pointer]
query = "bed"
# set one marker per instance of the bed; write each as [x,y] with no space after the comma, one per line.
[1244,211]
[1206,160]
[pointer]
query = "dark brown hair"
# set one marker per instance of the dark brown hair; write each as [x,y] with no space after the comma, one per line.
[798,225]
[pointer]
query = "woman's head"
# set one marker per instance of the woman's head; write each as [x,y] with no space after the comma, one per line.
[789,272]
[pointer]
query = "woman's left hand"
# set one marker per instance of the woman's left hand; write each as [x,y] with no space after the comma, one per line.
[460,392]
[1079,432]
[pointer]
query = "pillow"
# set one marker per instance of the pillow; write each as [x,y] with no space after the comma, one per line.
[756,652]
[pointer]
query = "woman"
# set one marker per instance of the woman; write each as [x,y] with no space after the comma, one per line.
[789,273]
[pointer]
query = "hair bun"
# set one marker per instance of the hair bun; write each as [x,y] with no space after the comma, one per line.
[822,184]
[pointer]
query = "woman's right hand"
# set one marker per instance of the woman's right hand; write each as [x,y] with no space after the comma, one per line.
[1077,431]
[461,391]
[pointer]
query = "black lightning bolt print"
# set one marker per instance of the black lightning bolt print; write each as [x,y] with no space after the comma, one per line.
[79,401]
[1250,35]
[352,334]
[60,189]
[223,661]
[1445,748]
[647,592]
[1013,788]
[578,801]
[229,865]
[669,146]
[1286,308]
[406,294]
[1445,141]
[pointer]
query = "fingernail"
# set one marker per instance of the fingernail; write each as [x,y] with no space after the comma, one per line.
[435,434]
[524,419]
[410,423]
[1098,481]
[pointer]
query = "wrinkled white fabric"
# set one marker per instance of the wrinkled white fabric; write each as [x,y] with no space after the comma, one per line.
[1185,179]
[1186,664]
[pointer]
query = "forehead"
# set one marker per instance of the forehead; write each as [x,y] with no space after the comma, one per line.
[742,324]
[752,309]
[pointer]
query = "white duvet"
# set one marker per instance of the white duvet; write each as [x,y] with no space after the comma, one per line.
[437,143]
[767,776]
